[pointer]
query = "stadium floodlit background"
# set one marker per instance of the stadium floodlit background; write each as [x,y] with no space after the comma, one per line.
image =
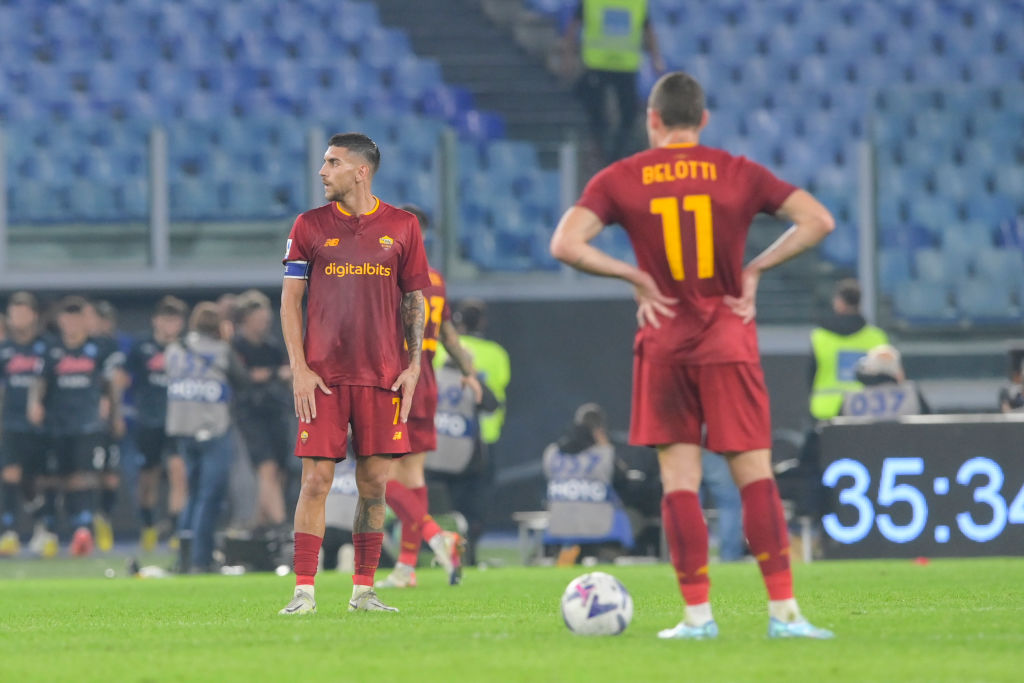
[153,146]
[158,146]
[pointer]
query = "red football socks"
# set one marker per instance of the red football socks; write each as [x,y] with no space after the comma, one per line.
[687,535]
[307,557]
[764,524]
[367,557]
[417,524]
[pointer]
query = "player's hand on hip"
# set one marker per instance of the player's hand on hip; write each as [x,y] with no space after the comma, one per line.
[474,385]
[406,384]
[745,305]
[304,385]
[651,302]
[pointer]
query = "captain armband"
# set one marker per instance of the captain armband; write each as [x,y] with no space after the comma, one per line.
[298,270]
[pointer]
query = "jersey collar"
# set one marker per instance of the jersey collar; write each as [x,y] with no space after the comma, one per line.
[343,212]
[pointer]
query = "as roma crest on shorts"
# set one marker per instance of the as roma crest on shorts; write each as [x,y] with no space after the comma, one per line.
[386,242]
[303,436]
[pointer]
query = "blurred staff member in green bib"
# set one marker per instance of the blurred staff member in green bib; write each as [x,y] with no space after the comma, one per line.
[611,36]
[490,357]
[838,343]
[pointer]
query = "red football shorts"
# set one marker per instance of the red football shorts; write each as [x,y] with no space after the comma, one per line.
[422,434]
[671,404]
[373,413]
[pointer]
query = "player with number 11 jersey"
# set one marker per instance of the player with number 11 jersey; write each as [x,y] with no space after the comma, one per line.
[697,377]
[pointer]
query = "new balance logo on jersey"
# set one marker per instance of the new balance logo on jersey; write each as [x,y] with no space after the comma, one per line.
[343,269]
[397,436]
[331,242]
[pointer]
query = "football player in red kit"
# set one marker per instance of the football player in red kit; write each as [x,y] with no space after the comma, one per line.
[362,266]
[697,377]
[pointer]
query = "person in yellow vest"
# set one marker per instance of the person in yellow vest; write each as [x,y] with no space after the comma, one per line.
[837,344]
[490,357]
[611,36]
[472,487]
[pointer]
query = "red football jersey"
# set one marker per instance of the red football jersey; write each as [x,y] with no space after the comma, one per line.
[424,401]
[687,209]
[358,267]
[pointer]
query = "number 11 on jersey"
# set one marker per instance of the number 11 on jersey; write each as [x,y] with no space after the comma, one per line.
[700,206]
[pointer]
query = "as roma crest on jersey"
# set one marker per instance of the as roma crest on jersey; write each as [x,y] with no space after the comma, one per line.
[304,436]
[386,242]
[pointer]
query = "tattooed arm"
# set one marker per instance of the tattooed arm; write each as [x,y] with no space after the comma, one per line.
[413,319]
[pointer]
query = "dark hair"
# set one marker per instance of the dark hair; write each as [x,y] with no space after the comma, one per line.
[470,314]
[678,99]
[171,305]
[848,290]
[205,319]
[360,144]
[591,416]
[420,214]
[24,299]
[73,304]
[579,436]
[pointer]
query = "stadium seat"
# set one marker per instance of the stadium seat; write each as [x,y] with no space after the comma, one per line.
[192,198]
[1001,264]
[991,210]
[1009,181]
[414,75]
[987,300]
[382,48]
[446,101]
[355,19]
[934,212]
[923,303]
[930,265]
[133,198]
[893,268]
[480,125]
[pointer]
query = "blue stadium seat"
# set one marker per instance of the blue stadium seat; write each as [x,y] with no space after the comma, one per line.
[423,190]
[930,265]
[893,268]
[841,246]
[193,198]
[1009,181]
[923,303]
[92,201]
[952,181]
[510,154]
[354,19]
[446,101]
[991,210]
[133,198]
[480,125]
[1000,264]
[415,75]
[934,212]
[987,300]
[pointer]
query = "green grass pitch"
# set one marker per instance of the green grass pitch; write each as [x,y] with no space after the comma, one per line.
[951,620]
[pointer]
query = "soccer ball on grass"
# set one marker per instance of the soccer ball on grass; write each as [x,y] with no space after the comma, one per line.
[597,604]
